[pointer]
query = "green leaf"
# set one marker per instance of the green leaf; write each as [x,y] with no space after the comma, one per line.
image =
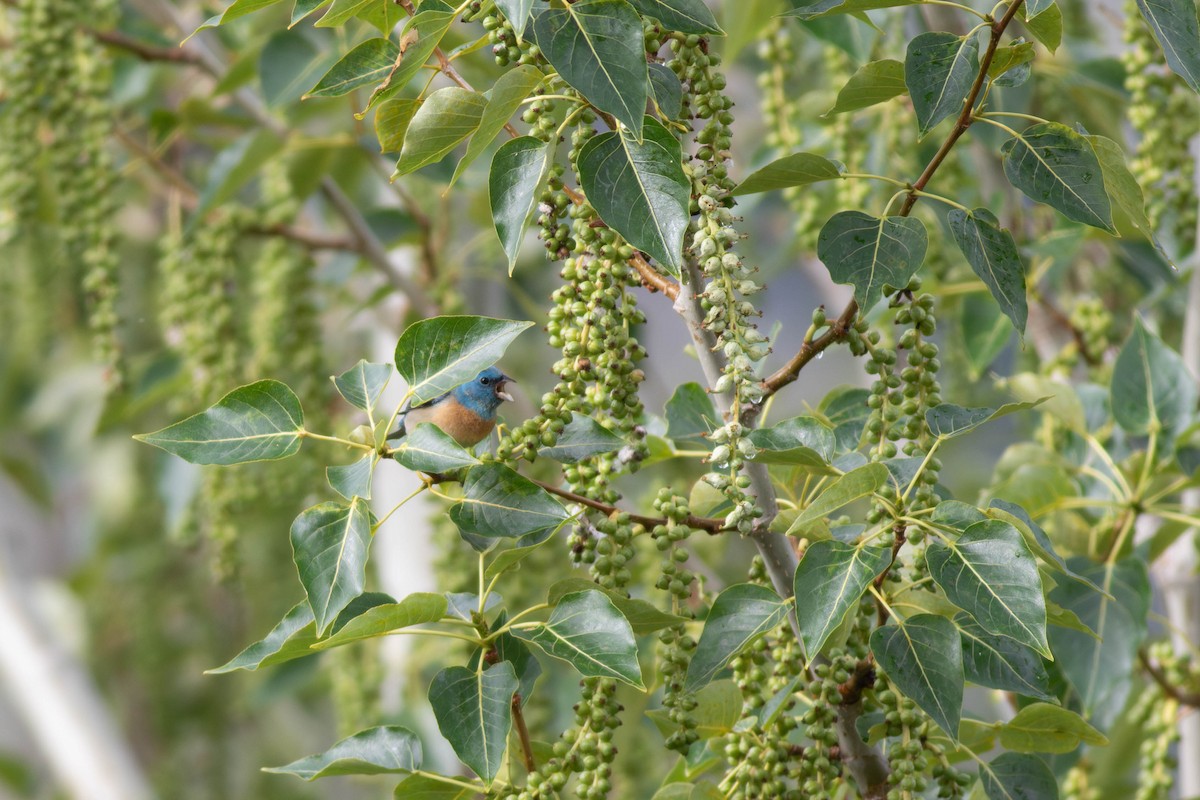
[427,448]
[1100,667]
[1010,57]
[425,787]
[474,713]
[644,618]
[1035,7]
[923,657]
[985,332]
[234,167]
[638,188]
[667,90]
[998,662]
[685,16]
[503,100]
[874,82]
[799,441]
[509,559]
[1043,728]
[392,121]
[518,170]
[1122,187]
[1174,25]
[1151,386]
[596,46]
[691,416]
[582,438]
[303,8]
[1037,540]
[948,421]
[288,64]
[854,485]
[420,37]
[259,422]
[362,384]
[990,573]
[341,12]
[294,636]
[1014,776]
[416,609]
[821,8]
[446,118]
[588,632]
[238,8]
[499,503]
[375,751]
[1053,164]
[330,543]
[992,254]
[1046,26]
[368,64]
[871,252]
[435,355]
[718,709]
[739,615]
[798,169]
[516,12]
[353,480]
[831,578]
[939,69]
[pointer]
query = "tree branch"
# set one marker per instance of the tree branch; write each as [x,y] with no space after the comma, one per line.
[1186,698]
[149,52]
[791,370]
[706,524]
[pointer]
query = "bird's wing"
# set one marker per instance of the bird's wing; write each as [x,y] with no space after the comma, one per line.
[426,406]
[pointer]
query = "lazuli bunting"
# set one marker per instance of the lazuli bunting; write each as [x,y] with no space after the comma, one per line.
[467,414]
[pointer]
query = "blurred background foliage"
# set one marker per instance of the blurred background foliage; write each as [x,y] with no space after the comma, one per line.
[159,244]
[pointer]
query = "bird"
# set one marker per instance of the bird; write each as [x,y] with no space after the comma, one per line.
[466,413]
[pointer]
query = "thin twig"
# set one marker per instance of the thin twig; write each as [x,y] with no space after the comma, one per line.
[698,523]
[523,733]
[149,52]
[1190,699]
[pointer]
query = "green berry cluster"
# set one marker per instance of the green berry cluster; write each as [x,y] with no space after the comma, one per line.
[908,760]
[676,646]
[1156,764]
[1077,784]
[1096,328]
[553,204]
[1165,113]
[597,715]
[505,47]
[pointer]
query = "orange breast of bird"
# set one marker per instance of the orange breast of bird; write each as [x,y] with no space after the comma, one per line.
[463,426]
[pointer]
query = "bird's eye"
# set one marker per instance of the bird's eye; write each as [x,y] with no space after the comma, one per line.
[485,381]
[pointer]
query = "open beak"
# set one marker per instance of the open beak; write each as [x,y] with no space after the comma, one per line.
[503,395]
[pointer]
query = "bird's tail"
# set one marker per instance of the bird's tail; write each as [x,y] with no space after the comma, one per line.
[400,417]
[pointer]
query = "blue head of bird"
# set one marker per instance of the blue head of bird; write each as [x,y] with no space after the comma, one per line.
[484,394]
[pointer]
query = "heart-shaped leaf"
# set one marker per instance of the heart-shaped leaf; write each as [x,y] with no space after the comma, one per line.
[992,254]
[499,503]
[362,384]
[474,712]
[368,64]
[798,169]
[1043,728]
[330,543]
[416,609]
[998,662]
[874,82]
[799,441]
[353,480]
[597,47]
[1151,386]
[644,618]
[295,635]
[503,100]
[990,573]
[871,252]
[1014,776]
[739,615]
[1174,25]
[375,751]
[1046,25]
[437,354]
[582,438]
[259,422]
[685,16]
[939,69]
[588,632]
[923,656]
[1053,164]
[426,448]
[446,118]
[638,188]
[518,170]
[829,581]
[854,485]
[511,649]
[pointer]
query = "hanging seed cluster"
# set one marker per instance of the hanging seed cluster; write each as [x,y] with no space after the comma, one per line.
[676,646]
[1166,115]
